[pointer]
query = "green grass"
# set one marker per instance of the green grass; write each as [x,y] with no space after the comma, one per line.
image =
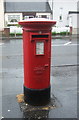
[17,34]
[64,33]
[61,33]
[53,33]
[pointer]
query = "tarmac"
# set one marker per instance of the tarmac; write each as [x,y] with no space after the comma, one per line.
[63,81]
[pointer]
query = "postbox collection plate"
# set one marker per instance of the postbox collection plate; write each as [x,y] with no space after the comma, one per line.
[40,48]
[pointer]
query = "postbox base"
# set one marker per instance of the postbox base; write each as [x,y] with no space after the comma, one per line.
[37,97]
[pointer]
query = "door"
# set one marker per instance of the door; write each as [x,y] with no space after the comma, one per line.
[40,49]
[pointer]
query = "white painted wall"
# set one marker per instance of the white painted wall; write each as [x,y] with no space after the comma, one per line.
[73,22]
[1,15]
[66,5]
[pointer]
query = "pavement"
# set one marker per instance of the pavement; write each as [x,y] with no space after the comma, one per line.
[63,79]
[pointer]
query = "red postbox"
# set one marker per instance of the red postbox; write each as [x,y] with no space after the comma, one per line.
[37,58]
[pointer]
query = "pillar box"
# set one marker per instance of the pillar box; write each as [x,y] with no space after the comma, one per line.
[37,60]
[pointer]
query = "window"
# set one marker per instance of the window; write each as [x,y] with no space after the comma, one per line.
[26,17]
[13,18]
[44,16]
[60,17]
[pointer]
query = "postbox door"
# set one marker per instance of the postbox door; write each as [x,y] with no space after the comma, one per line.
[40,51]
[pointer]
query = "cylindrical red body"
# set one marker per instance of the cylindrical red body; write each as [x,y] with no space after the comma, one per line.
[37,54]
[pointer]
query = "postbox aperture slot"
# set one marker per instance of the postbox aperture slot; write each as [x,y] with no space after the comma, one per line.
[40,36]
[39,47]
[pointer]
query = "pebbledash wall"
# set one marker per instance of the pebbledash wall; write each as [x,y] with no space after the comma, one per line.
[1,15]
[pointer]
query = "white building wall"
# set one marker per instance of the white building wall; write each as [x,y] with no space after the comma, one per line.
[66,6]
[74,20]
[74,23]
[1,15]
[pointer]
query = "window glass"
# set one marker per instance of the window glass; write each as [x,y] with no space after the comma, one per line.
[13,18]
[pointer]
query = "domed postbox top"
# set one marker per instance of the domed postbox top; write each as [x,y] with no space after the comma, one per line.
[37,23]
